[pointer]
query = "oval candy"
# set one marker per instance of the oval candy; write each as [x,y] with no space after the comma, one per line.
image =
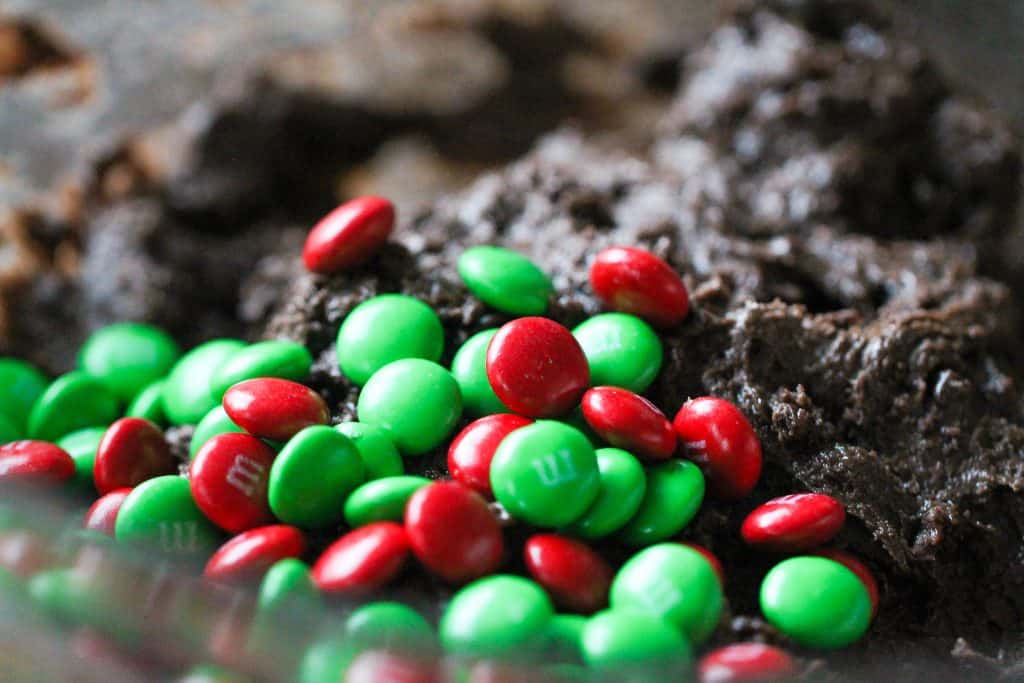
[576,577]
[125,357]
[74,401]
[469,368]
[378,452]
[132,450]
[349,234]
[384,329]
[717,436]
[35,462]
[275,409]
[362,560]
[229,479]
[622,351]
[675,491]
[471,452]
[636,281]
[505,280]
[161,514]
[800,521]
[382,500]
[188,394]
[274,358]
[250,554]
[629,421]
[496,617]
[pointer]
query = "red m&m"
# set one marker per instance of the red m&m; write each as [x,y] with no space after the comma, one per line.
[576,577]
[716,436]
[470,454]
[362,560]
[275,409]
[229,479]
[132,451]
[453,532]
[796,522]
[349,234]
[536,367]
[629,421]
[251,553]
[746,663]
[636,281]
[36,462]
[102,515]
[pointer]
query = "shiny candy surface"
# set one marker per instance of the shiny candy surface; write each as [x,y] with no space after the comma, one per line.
[496,616]
[792,523]
[74,401]
[161,514]
[622,350]
[382,500]
[638,282]
[20,385]
[389,625]
[377,666]
[817,602]
[746,663]
[537,368]
[275,358]
[575,576]
[229,479]
[149,404]
[384,329]
[82,445]
[857,567]
[712,559]
[715,435]
[102,514]
[623,484]
[675,491]
[416,401]
[287,583]
[672,582]
[312,476]
[546,474]
[565,633]
[471,452]
[35,462]
[132,451]
[213,423]
[630,422]
[505,280]
[126,357]
[275,409]
[362,560]
[250,554]
[453,532]
[634,643]
[469,368]
[349,234]
[380,456]
[188,392]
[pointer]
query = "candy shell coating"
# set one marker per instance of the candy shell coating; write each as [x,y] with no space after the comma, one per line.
[188,393]
[469,368]
[621,349]
[505,280]
[126,357]
[74,401]
[497,616]
[384,329]
[415,400]
[382,500]
[380,457]
[816,601]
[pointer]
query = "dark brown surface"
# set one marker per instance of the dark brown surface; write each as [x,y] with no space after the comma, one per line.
[844,224]
[831,237]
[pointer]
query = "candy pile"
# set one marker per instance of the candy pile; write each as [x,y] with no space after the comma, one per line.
[563,455]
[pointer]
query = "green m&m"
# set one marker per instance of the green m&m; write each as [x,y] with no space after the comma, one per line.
[621,349]
[213,423]
[188,390]
[816,601]
[74,401]
[469,367]
[82,445]
[416,401]
[384,329]
[565,637]
[20,386]
[380,457]
[498,616]
[149,404]
[634,644]
[505,280]
[287,583]
[545,474]
[8,431]
[382,500]
[389,625]
[623,484]
[275,358]
[675,491]
[126,357]
[312,476]
[672,582]
[161,514]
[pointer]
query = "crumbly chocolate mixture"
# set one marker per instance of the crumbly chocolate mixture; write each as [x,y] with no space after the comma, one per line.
[836,213]
[842,219]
